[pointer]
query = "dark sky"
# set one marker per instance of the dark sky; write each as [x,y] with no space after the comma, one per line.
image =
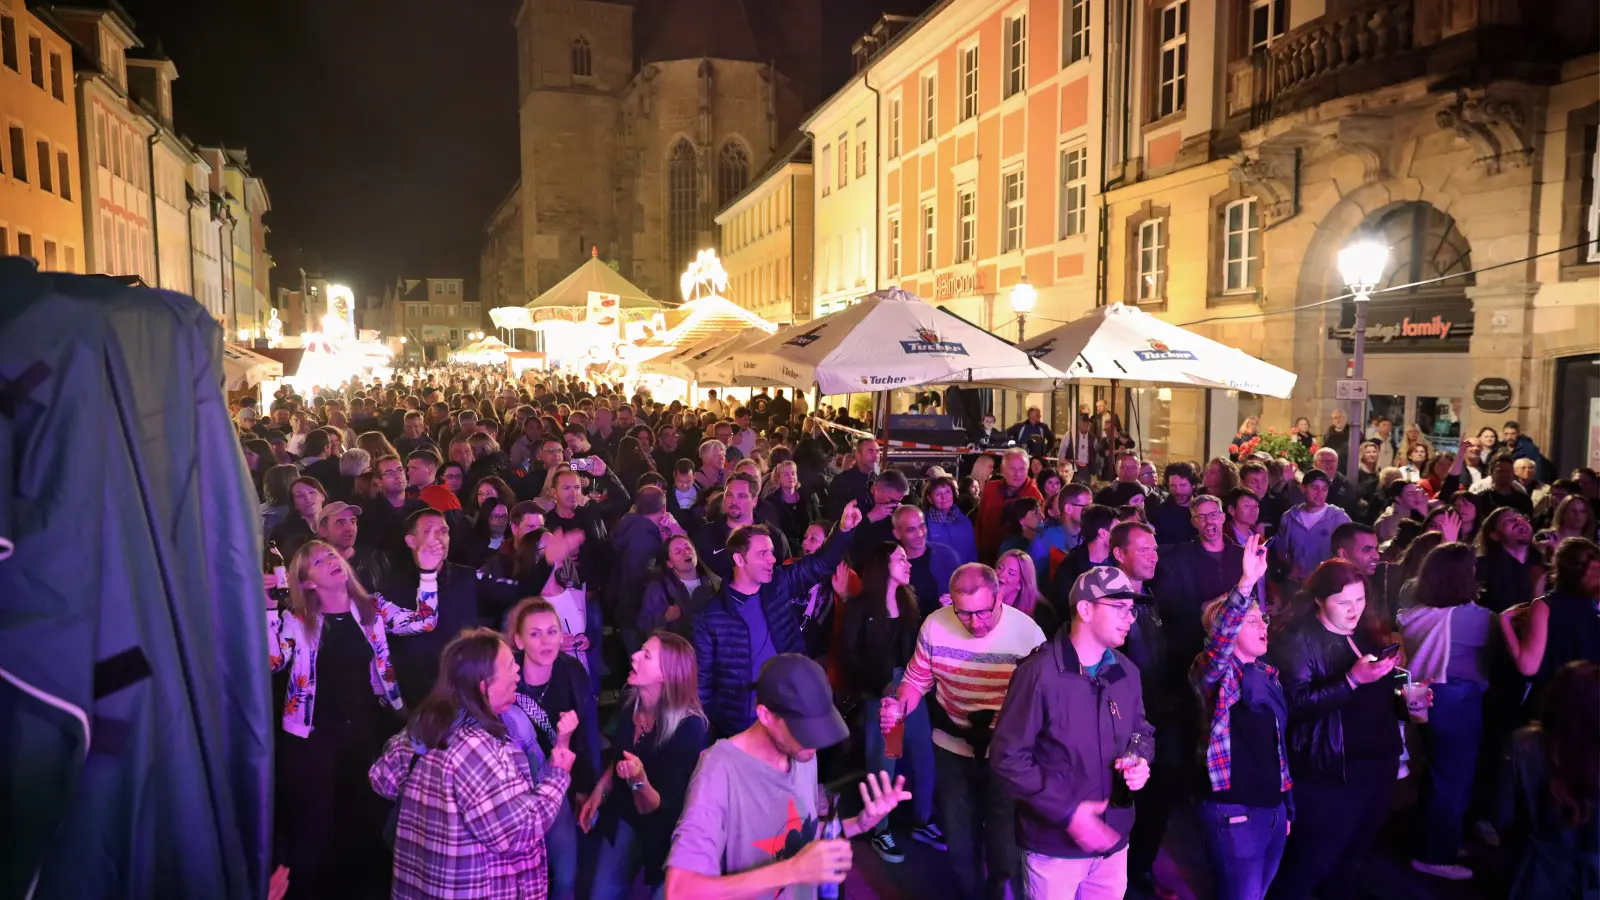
[385,130]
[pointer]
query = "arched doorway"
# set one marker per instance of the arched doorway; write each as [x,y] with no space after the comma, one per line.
[1419,324]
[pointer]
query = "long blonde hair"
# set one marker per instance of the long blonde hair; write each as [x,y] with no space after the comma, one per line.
[304,600]
[1027,579]
[680,688]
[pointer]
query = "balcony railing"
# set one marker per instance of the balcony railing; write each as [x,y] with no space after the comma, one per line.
[1309,64]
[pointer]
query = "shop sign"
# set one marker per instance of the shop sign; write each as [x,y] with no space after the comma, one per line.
[1492,395]
[951,285]
[1443,326]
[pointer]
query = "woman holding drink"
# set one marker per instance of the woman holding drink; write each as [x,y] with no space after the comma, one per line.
[879,636]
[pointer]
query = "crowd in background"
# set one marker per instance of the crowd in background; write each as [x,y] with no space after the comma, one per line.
[515,614]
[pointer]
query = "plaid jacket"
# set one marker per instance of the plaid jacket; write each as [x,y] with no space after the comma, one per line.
[1222,677]
[472,821]
[289,645]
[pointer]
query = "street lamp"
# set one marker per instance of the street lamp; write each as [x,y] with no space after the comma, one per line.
[1022,299]
[1361,265]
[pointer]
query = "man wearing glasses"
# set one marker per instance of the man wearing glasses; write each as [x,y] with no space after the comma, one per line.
[1071,737]
[966,653]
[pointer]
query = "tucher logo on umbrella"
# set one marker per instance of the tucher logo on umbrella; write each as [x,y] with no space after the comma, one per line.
[1043,350]
[807,339]
[1159,350]
[928,341]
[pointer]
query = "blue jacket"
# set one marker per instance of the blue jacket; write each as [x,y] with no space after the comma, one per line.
[1304,547]
[722,640]
[956,534]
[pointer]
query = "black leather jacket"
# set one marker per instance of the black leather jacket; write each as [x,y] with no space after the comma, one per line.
[1312,663]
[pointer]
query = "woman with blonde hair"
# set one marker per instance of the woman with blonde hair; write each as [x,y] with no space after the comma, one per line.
[1019,587]
[660,734]
[340,706]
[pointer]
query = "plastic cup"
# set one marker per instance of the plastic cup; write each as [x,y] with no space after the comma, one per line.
[1416,697]
[894,739]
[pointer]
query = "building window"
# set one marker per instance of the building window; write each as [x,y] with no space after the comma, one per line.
[582,59]
[1016,37]
[100,137]
[1240,248]
[929,98]
[1591,252]
[966,225]
[1267,21]
[822,172]
[8,43]
[861,256]
[894,128]
[19,154]
[861,149]
[46,174]
[1075,32]
[25,245]
[969,82]
[1074,198]
[894,247]
[72,260]
[1012,190]
[36,61]
[50,256]
[56,90]
[733,172]
[1173,75]
[5,242]
[1152,260]
[927,237]
[683,211]
[844,160]
[116,149]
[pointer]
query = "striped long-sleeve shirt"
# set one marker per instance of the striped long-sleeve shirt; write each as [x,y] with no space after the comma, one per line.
[968,674]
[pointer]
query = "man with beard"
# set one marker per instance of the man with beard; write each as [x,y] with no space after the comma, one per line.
[1503,558]
[931,564]
[1503,490]
[1171,517]
[336,524]
[669,448]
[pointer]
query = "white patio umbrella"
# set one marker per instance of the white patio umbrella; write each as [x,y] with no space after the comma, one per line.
[717,369]
[891,339]
[1124,344]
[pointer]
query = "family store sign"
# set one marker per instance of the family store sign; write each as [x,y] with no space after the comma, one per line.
[1431,328]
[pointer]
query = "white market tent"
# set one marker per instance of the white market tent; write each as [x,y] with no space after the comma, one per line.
[571,294]
[1122,344]
[891,339]
[242,368]
[717,369]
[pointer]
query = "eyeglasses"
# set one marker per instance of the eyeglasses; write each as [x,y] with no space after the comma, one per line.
[1210,516]
[984,614]
[1125,611]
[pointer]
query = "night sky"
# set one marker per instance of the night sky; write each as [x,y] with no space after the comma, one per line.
[385,130]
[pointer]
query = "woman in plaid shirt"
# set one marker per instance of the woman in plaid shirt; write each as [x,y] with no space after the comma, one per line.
[472,818]
[1246,817]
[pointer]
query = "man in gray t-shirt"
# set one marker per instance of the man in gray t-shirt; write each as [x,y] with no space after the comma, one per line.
[750,825]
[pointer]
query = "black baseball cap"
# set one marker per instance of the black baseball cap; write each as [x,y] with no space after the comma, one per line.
[796,689]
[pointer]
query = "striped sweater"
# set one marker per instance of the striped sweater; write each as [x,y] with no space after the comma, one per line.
[968,674]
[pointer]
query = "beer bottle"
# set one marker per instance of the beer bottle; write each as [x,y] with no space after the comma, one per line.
[279,592]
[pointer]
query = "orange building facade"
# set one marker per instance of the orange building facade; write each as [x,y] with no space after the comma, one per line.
[41,212]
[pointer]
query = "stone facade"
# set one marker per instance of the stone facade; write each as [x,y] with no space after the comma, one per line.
[500,275]
[611,93]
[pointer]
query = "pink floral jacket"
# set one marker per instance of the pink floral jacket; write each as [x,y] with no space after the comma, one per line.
[289,645]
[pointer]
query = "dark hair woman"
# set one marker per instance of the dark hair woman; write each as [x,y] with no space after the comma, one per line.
[1447,643]
[276,501]
[632,462]
[1555,773]
[1344,732]
[471,816]
[258,459]
[878,637]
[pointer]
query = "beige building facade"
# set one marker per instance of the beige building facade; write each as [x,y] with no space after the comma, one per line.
[766,237]
[639,121]
[41,196]
[1207,161]
[845,191]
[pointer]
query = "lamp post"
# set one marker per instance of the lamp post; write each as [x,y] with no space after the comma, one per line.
[1361,265]
[1023,297]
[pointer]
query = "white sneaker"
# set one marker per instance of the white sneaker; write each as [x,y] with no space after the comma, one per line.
[1450,873]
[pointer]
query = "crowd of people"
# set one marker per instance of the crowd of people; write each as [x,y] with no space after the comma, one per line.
[546,639]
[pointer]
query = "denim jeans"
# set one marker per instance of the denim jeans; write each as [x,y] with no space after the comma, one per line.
[1455,725]
[561,853]
[979,827]
[616,866]
[916,761]
[1244,845]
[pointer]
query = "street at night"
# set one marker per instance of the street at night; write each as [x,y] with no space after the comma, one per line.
[800,450]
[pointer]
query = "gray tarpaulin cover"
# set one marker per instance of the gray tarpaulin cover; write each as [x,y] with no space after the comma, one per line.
[134,694]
